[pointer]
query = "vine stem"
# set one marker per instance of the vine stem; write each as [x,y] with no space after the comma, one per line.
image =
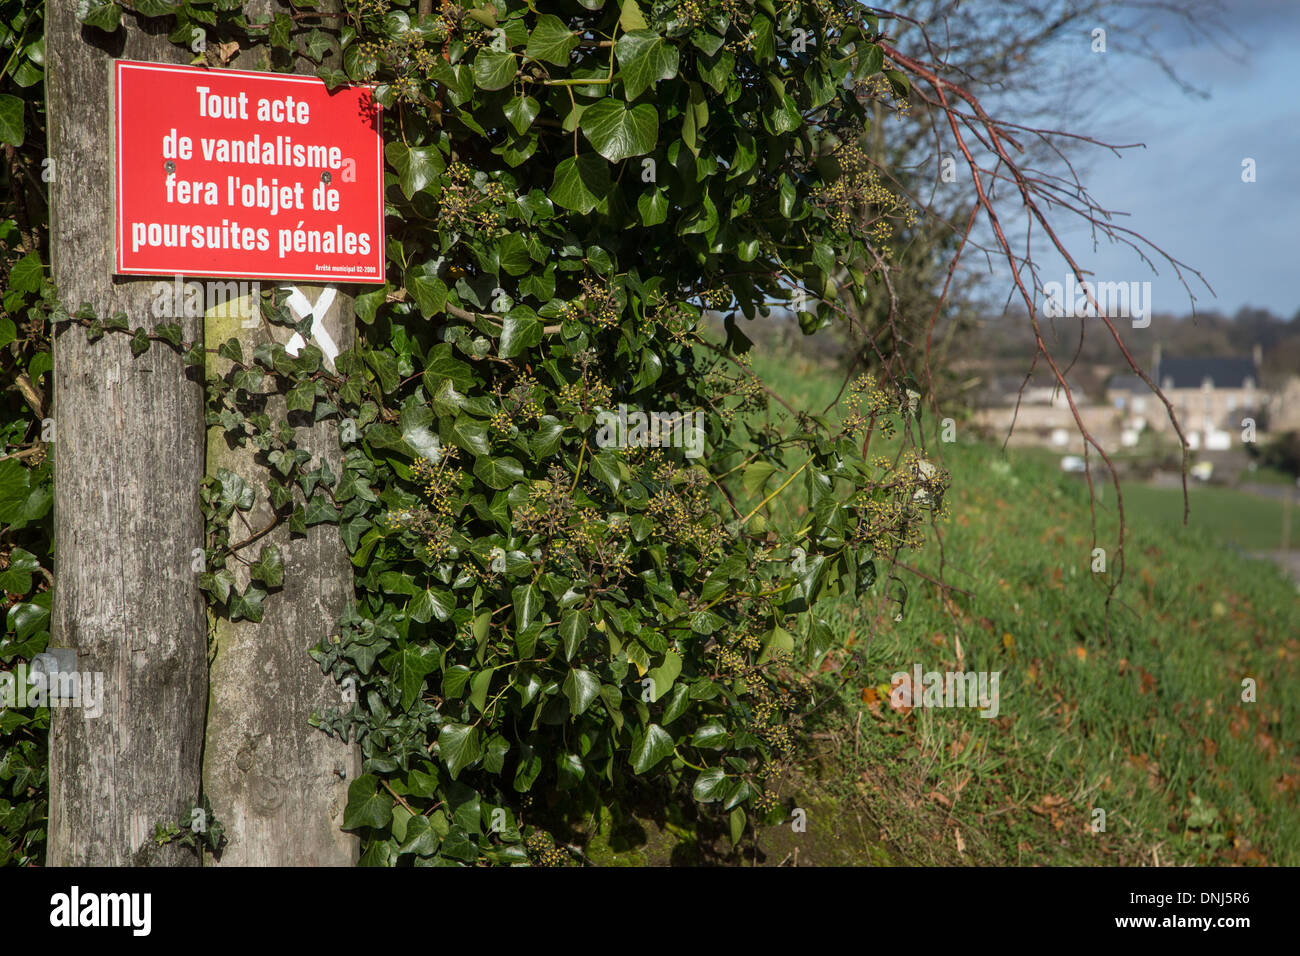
[594,81]
[256,534]
[758,507]
[577,473]
[677,754]
[398,798]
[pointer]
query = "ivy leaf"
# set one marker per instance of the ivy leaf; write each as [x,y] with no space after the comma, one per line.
[737,824]
[269,567]
[11,120]
[663,676]
[248,605]
[498,473]
[678,704]
[546,441]
[281,28]
[763,38]
[479,687]
[651,748]
[520,331]
[429,292]
[458,745]
[527,601]
[494,69]
[573,628]
[171,332]
[580,183]
[710,785]
[454,680]
[431,603]
[518,149]
[219,584]
[512,252]
[360,61]
[235,492]
[332,78]
[421,838]
[695,118]
[582,687]
[384,365]
[318,44]
[367,807]
[416,166]
[619,133]
[416,424]
[899,82]
[104,16]
[776,642]
[636,654]
[470,434]
[551,41]
[717,70]
[521,111]
[458,80]
[871,61]
[644,58]
[653,207]
[154,8]
[530,765]
[302,397]
[320,510]
[26,618]
[414,665]
[783,117]
[231,349]
[27,273]
[569,770]
[630,16]
[711,736]
[17,578]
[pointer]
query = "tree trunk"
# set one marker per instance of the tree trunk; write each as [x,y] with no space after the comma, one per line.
[128,461]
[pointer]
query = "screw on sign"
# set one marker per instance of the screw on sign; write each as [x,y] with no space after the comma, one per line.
[243,174]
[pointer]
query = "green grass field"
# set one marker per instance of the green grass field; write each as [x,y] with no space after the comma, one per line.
[1250,522]
[1133,707]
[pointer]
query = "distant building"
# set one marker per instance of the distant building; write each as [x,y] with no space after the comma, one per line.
[1284,410]
[1003,390]
[1210,395]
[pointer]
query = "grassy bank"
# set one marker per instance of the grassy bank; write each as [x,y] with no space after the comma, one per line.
[1134,709]
[1246,521]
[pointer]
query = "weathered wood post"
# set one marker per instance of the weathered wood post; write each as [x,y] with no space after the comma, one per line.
[128,461]
[278,784]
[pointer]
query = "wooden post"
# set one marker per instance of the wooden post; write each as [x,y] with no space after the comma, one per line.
[279,785]
[128,461]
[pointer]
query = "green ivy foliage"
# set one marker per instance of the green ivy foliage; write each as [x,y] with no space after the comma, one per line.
[584,201]
[543,622]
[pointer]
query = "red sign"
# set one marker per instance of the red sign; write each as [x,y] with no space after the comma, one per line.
[248,175]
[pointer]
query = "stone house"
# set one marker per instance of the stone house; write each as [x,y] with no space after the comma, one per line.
[1217,399]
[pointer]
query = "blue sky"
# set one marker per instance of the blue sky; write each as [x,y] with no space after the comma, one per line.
[1184,190]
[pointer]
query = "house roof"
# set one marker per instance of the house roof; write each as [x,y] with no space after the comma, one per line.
[1126,383]
[1223,372]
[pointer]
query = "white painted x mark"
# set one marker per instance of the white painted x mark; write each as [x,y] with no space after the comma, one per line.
[300,308]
